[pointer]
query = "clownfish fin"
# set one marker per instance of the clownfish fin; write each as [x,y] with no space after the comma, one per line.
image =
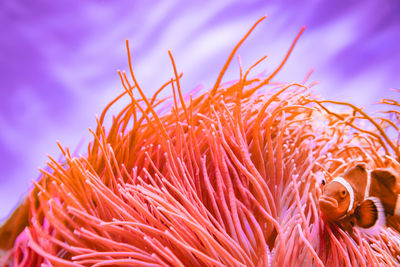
[366,213]
[370,216]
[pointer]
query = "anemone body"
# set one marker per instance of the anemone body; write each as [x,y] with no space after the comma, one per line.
[227,178]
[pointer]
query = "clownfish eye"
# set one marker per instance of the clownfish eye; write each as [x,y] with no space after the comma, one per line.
[343,193]
[323,182]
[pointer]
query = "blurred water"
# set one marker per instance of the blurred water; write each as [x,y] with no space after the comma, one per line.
[58,60]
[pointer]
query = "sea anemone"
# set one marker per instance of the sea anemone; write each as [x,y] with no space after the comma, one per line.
[228,178]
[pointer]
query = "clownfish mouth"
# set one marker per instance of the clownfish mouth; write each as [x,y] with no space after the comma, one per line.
[328,203]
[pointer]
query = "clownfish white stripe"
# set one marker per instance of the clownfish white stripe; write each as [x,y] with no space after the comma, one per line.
[348,188]
[397,207]
[368,186]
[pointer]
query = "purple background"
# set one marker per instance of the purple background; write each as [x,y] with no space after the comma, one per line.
[58,61]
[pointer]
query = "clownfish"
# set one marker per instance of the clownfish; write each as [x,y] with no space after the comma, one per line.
[362,197]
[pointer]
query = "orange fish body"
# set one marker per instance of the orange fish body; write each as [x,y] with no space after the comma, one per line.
[343,194]
[384,186]
[361,197]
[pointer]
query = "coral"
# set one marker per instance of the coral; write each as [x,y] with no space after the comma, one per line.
[227,178]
